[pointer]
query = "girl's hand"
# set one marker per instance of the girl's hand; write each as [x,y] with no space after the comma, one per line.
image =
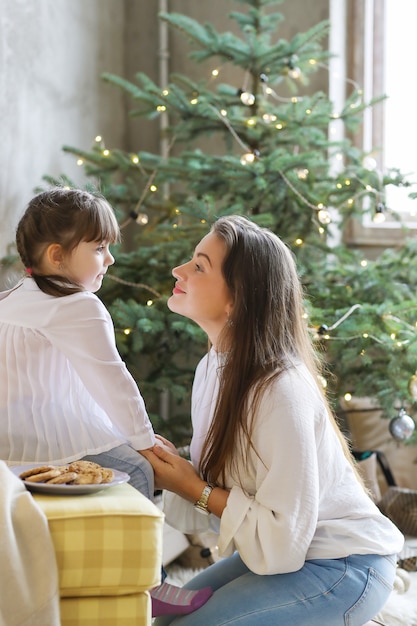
[174,473]
[165,443]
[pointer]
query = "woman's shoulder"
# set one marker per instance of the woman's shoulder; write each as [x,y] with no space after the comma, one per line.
[296,380]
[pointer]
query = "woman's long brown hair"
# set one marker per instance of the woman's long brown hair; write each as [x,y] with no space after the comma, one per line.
[265,334]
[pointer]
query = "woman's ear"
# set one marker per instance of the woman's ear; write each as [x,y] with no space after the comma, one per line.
[54,256]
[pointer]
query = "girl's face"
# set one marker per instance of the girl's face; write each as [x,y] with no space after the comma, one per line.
[87,264]
[200,292]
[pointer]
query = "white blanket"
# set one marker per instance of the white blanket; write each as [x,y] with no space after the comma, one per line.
[29,591]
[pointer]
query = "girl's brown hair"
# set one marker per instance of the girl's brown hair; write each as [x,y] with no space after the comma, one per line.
[67,217]
[266,333]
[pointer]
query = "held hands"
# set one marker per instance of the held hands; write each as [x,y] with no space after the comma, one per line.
[172,472]
[165,443]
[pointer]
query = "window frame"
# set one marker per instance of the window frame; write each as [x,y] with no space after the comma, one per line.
[364,61]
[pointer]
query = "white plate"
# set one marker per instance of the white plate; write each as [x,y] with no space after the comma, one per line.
[67,490]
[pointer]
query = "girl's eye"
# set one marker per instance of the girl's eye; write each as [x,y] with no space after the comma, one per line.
[198,267]
[100,248]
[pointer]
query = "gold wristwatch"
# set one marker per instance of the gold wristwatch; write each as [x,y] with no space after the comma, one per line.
[202,503]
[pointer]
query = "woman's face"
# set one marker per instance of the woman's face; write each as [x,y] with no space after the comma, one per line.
[200,292]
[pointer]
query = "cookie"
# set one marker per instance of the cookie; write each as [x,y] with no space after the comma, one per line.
[43,476]
[62,479]
[88,478]
[107,475]
[83,466]
[36,470]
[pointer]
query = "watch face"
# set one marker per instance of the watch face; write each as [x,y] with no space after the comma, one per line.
[201,504]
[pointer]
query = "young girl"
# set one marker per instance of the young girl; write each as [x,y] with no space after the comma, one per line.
[303,543]
[65,393]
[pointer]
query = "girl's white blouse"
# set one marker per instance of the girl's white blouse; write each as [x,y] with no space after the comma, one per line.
[64,390]
[296,498]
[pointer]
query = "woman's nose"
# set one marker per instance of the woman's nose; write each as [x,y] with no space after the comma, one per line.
[176,272]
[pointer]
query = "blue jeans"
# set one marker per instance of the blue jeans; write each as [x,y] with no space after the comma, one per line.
[125,459]
[326,592]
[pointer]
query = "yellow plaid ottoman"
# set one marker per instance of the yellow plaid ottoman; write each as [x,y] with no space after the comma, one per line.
[109,553]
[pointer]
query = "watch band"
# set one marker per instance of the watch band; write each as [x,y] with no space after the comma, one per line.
[202,503]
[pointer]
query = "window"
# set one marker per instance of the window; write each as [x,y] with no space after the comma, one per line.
[378,52]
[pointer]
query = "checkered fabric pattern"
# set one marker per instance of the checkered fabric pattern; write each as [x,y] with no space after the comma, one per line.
[134,610]
[109,553]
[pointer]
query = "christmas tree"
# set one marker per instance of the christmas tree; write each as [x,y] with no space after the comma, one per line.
[275,163]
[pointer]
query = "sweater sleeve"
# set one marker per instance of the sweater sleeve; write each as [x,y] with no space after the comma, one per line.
[272,510]
[83,330]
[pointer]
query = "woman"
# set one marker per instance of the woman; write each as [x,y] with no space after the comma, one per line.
[303,543]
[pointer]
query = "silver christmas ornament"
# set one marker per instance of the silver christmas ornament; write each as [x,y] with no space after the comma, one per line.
[402,426]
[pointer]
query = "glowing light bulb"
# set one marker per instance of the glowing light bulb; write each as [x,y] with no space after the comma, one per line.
[142,219]
[348,397]
[323,381]
[268,118]
[379,215]
[294,72]
[247,158]
[247,98]
[324,216]
[369,163]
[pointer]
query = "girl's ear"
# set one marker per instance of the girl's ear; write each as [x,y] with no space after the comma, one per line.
[54,255]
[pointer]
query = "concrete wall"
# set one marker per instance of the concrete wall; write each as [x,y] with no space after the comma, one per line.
[52,53]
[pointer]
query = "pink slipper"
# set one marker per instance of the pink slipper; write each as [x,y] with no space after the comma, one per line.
[170,600]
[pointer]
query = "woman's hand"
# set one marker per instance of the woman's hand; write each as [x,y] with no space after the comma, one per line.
[174,473]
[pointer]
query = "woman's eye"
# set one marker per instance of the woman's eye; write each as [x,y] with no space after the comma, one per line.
[198,267]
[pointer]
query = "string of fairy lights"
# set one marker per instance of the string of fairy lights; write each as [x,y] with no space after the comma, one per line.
[248,157]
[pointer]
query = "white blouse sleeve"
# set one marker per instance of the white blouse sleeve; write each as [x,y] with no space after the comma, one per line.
[83,330]
[271,513]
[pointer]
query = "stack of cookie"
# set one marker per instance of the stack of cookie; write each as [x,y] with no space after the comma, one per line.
[76,473]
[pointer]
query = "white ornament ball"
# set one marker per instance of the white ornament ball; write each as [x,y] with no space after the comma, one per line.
[402,426]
